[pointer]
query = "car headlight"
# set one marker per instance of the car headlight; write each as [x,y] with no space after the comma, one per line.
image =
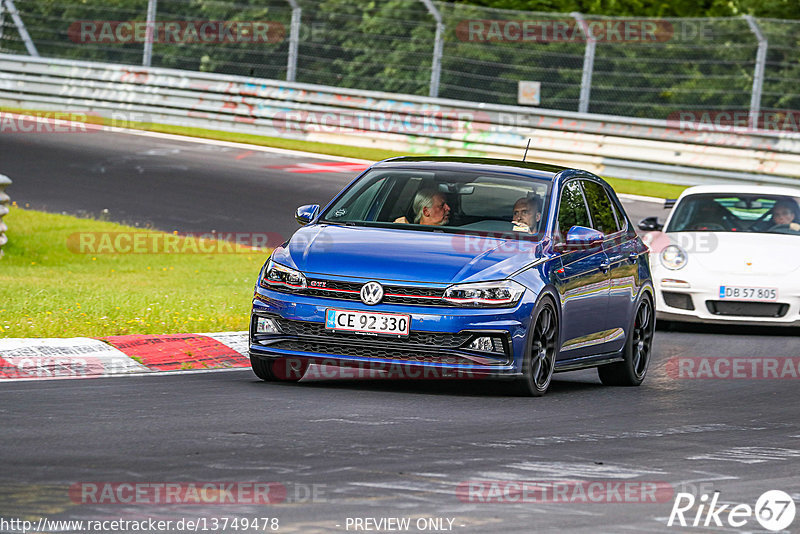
[674,257]
[485,294]
[278,275]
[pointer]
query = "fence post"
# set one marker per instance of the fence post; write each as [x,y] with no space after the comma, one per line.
[588,63]
[23,32]
[758,74]
[4,200]
[147,56]
[294,41]
[438,45]
[2,18]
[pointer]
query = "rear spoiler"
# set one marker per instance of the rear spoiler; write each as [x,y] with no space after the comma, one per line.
[669,203]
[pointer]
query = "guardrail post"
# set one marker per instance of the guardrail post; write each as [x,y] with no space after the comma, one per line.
[4,201]
[588,63]
[758,74]
[149,37]
[23,32]
[438,46]
[294,41]
[2,18]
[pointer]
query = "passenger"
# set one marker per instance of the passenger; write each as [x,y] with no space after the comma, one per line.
[430,208]
[710,216]
[527,214]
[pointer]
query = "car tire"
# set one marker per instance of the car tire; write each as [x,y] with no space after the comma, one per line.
[280,370]
[638,348]
[540,356]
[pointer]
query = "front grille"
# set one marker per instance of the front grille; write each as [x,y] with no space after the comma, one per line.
[678,300]
[369,351]
[392,294]
[747,309]
[428,339]
[429,347]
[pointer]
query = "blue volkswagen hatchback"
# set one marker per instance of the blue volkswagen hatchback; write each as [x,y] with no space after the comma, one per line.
[460,267]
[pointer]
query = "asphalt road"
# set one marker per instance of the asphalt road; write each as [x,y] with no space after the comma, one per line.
[378,448]
[147,180]
[344,450]
[169,185]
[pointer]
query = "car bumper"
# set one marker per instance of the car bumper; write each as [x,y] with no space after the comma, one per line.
[436,343]
[700,302]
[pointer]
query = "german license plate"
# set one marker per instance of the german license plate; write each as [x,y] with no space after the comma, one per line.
[765,294]
[367,322]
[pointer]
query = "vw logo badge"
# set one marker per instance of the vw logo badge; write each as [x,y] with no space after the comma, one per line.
[371,293]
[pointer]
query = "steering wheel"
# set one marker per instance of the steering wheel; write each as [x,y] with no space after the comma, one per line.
[782,228]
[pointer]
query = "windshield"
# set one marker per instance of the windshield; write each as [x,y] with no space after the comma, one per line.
[454,201]
[726,212]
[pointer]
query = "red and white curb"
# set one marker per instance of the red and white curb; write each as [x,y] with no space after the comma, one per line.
[324,166]
[83,357]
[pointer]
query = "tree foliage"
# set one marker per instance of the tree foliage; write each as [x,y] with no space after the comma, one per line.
[387,45]
[777,9]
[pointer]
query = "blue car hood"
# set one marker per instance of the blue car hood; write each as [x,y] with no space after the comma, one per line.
[406,255]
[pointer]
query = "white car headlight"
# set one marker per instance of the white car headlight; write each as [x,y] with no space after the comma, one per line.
[281,276]
[674,257]
[485,294]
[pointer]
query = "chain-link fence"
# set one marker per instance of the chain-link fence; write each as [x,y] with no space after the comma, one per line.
[651,68]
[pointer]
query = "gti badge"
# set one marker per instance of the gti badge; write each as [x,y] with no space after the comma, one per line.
[371,293]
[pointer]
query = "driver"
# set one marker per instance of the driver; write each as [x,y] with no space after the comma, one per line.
[785,213]
[527,214]
[430,208]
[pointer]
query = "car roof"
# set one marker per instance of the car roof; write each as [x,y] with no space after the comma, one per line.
[736,189]
[453,163]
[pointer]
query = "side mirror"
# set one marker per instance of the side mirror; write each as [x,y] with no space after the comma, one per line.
[581,238]
[305,214]
[650,224]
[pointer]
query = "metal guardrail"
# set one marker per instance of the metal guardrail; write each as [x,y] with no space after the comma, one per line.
[647,67]
[624,147]
[5,181]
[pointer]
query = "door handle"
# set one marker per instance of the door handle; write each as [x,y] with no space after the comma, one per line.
[605,265]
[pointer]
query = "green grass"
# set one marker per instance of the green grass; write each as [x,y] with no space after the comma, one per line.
[372,154]
[51,289]
[633,187]
[647,189]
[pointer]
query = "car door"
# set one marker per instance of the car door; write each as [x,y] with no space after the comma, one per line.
[583,280]
[620,248]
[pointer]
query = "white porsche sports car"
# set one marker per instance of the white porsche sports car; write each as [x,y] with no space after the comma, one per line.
[728,254]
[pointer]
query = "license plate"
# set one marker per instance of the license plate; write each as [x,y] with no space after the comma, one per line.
[367,322]
[766,294]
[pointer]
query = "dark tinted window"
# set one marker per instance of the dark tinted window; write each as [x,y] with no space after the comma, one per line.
[622,222]
[600,207]
[572,208]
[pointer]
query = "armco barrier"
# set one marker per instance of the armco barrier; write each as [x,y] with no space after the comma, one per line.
[624,147]
[4,201]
